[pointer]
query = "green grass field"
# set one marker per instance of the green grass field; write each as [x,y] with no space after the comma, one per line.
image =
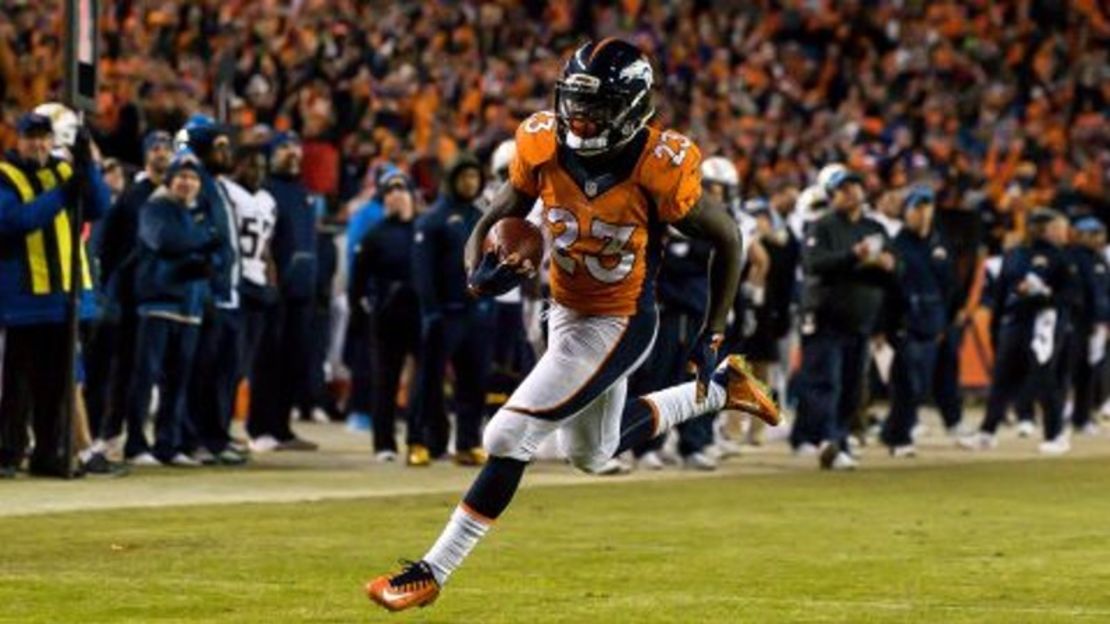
[1001,542]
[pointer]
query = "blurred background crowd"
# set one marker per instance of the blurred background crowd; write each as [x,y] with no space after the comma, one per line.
[994,114]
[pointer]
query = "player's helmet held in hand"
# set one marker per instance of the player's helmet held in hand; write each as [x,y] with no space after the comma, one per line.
[604,97]
[64,122]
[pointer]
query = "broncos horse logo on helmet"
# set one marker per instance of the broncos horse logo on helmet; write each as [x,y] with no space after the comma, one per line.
[604,97]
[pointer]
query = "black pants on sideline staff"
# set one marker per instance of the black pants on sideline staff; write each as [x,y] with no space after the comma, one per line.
[395,334]
[109,366]
[946,378]
[834,365]
[280,368]
[164,357]
[1083,377]
[357,357]
[312,393]
[34,392]
[254,315]
[215,375]
[910,379]
[463,339]
[1018,377]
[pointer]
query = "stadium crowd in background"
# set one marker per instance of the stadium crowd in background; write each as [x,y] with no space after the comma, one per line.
[977,124]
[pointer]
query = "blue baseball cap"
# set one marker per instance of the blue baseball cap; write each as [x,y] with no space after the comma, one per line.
[183,160]
[34,123]
[156,137]
[918,196]
[1089,225]
[390,175]
[284,137]
[839,178]
[199,122]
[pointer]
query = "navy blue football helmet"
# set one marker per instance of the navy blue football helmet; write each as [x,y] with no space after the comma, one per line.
[606,90]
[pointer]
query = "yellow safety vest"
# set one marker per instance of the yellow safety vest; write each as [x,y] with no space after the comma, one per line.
[49,249]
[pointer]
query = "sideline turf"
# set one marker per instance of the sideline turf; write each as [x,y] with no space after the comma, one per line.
[1006,542]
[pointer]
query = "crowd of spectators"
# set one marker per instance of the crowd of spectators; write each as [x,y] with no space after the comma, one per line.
[998,108]
[1000,103]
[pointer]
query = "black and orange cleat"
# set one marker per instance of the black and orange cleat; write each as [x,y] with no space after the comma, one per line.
[413,586]
[745,392]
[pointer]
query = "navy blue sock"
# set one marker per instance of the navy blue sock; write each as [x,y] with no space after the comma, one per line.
[493,490]
[638,422]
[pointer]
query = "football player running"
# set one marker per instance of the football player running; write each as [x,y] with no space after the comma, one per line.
[610,185]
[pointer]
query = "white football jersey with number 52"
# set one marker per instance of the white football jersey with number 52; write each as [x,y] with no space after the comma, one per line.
[255,216]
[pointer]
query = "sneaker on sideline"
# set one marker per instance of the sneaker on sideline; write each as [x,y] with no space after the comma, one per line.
[143,459]
[181,460]
[205,457]
[263,444]
[1026,428]
[978,441]
[805,449]
[650,461]
[834,458]
[1056,446]
[699,461]
[903,451]
[97,463]
[613,467]
[727,448]
[230,457]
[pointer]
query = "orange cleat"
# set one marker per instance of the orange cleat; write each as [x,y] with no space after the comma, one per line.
[746,393]
[413,586]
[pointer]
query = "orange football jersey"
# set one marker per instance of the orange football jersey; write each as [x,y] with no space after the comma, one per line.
[605,241]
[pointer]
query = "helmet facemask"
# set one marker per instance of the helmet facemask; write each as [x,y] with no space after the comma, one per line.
[617,115]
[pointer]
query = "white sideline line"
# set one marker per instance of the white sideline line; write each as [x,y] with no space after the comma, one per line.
[342,471]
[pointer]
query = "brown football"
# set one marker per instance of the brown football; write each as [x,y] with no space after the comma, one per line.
[515,235]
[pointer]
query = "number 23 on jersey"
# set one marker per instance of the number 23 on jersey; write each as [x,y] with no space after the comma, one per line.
[610,263]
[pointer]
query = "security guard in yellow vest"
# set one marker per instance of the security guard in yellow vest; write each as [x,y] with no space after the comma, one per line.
[37,193]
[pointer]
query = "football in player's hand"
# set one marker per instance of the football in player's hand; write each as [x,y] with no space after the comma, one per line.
[511,251]
[516,242]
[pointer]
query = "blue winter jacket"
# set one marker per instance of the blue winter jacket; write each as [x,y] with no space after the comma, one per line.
[178,250]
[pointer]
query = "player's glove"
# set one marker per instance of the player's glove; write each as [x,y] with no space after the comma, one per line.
[703,360]
[492,277]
